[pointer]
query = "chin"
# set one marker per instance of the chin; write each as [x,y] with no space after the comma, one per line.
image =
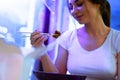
[81,22]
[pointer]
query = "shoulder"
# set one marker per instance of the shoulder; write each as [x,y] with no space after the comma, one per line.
[115,32]
[115,37]
[68,34]
[66,38]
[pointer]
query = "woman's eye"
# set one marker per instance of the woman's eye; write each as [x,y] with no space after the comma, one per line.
[70,6]
[79,4]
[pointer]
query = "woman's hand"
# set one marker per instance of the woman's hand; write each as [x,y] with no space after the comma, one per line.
[37,39]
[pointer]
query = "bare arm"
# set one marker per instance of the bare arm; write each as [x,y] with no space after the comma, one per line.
[61,62]
[47,64]
[118,65]
[37,40]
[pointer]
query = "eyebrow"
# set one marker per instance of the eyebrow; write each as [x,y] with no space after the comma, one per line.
[76,0]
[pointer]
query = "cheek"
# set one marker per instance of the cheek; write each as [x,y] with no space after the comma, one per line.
[88,13]
[91,11]
[73,14]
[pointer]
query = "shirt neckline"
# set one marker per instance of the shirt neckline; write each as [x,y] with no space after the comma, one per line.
[96,48]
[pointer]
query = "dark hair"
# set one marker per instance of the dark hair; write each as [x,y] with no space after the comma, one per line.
[105,10]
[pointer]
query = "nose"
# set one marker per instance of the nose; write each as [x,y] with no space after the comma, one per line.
[76,9]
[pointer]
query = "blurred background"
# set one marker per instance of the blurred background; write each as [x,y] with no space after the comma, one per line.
[18,18]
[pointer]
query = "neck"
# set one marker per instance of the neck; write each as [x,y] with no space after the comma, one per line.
[96,27]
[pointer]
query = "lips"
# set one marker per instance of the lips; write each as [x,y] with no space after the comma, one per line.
[78,16]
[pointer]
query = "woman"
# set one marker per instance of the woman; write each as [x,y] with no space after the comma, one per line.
[92,50]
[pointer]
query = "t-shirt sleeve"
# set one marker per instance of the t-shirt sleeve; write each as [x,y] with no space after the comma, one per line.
[117,41]
[63,40]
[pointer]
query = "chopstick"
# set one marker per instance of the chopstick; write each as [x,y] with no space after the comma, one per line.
[47,34]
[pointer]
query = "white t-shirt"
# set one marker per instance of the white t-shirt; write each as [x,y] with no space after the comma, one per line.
[98,64]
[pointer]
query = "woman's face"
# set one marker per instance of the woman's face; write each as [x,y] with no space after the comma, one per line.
[83,10]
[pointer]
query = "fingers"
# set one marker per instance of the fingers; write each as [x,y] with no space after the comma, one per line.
[37,39]
[34,35]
